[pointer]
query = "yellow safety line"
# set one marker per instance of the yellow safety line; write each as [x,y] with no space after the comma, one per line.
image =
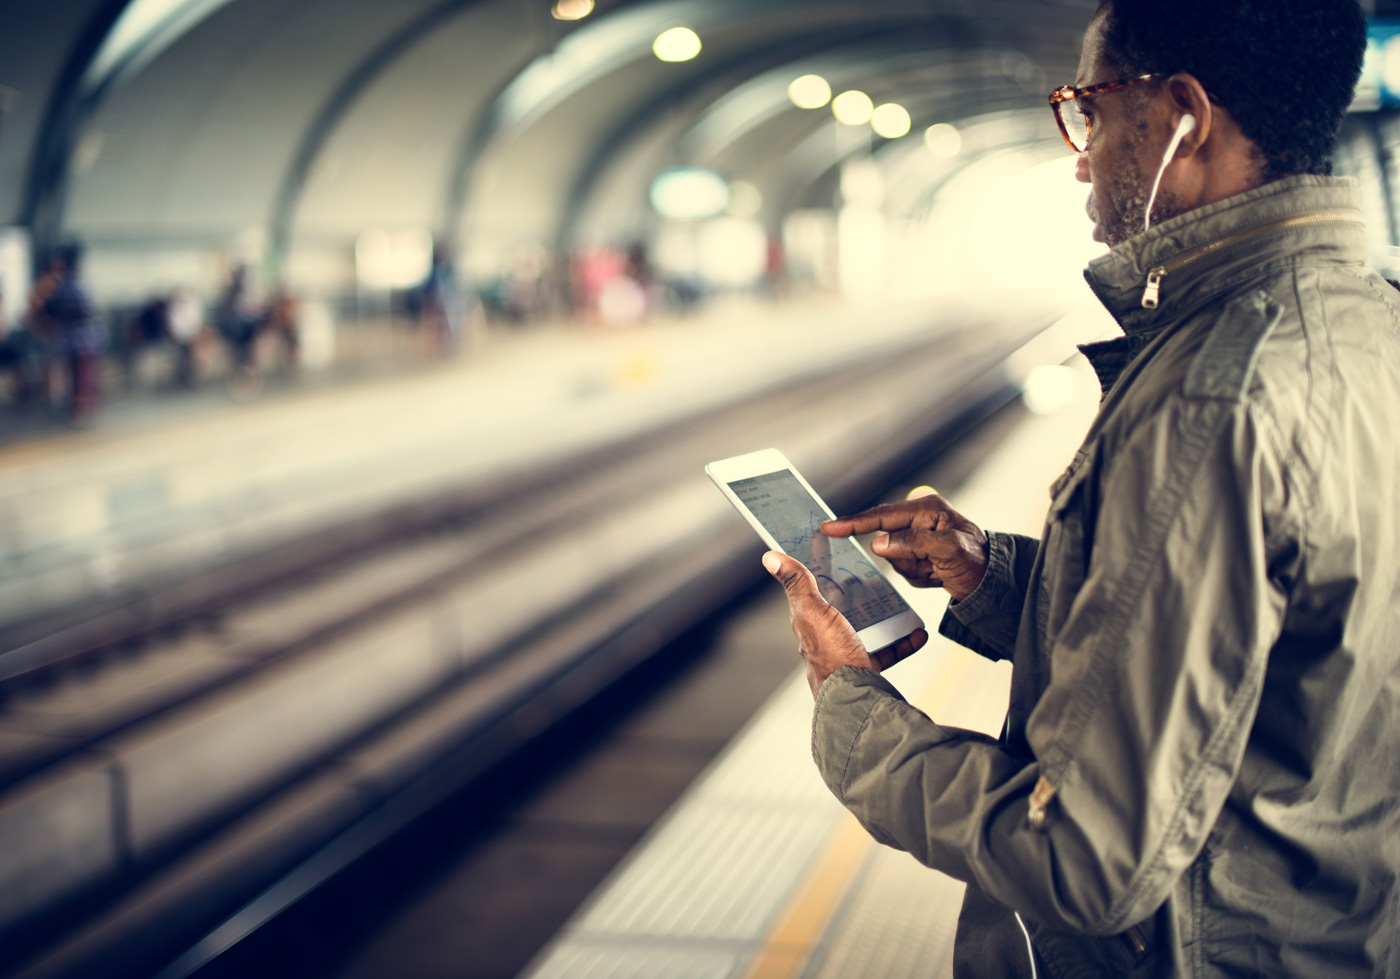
[788,947]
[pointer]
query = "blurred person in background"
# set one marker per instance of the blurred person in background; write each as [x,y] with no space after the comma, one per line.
[442,308]
[177,319]
[20,357]
[63,317]
[149,326]
[191,336]
[240,317]
[1198,771]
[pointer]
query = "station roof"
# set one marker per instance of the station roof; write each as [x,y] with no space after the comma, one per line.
[180,123]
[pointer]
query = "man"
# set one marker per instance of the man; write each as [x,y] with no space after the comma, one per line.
[61,310]
[1200,770]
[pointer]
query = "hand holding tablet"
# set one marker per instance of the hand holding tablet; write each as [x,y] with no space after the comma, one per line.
[778,503]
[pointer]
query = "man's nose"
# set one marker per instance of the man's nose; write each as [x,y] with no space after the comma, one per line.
[1081,168]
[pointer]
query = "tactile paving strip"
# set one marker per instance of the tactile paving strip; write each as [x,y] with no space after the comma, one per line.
[898,923]
[576,961]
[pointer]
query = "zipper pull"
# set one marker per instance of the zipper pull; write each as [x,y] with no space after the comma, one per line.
[1151,296]
[1041,798]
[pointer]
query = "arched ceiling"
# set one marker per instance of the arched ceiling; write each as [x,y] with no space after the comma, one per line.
[307,121]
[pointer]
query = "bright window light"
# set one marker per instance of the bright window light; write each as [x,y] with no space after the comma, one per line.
[943,140]
[572,9]
[393,259]
[689,193]
[809,92]
[891,121]
[677,44]
[852,108]
[731,252]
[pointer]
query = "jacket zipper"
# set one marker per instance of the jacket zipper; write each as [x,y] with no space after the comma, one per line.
[1137,943]
[1151,297]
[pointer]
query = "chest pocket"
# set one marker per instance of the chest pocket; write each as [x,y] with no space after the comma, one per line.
[1067,542]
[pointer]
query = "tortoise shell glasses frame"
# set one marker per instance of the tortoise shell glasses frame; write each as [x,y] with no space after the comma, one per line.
[1076,127]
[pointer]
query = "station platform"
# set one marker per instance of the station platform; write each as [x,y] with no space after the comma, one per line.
[757,872]
[168,485]
[263,743]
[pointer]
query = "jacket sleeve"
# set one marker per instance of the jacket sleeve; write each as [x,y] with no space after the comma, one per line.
[1158,670]
[986,621]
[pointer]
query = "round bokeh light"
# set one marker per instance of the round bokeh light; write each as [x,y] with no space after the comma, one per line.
[891,121]
[809,92]
[677,44]
[852,108]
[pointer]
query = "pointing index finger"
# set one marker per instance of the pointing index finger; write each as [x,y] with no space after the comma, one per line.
[886,516]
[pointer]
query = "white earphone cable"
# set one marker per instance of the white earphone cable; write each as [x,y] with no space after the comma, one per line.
[1187,124]
[1030,949]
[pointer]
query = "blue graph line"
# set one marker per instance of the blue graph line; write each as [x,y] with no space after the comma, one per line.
[797,546]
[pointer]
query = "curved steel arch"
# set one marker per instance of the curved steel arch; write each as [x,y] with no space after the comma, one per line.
[712,135]
[357,82]
[746,65]
[334,109]
[46,187]
[87,79]
[510,108]
[815,160]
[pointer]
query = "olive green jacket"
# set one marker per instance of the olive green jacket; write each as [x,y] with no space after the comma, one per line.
[1201,762]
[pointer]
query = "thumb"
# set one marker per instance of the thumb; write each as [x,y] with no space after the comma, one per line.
[796,580]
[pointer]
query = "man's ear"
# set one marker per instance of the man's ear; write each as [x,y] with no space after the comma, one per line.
[1188,97]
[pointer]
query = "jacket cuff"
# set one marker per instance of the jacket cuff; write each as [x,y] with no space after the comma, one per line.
[986,620]
[844,705]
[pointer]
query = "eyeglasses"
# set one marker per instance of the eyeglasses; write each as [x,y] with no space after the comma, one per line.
[1074,124]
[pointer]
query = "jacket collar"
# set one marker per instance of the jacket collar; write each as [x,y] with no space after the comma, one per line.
[1120,278]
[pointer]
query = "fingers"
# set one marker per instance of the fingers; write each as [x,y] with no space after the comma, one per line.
[900,650]
[886,516]
[906,545]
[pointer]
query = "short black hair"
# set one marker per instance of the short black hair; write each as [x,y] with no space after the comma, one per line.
[1286,70]
[70,253]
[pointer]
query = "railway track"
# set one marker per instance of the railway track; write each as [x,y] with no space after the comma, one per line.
[218,749]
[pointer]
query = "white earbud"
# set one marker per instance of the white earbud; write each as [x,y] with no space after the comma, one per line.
[1183,129]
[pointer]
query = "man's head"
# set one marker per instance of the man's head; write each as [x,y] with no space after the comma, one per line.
[66,258]
[1268,81]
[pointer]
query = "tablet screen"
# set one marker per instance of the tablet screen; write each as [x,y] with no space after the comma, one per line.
[844,574]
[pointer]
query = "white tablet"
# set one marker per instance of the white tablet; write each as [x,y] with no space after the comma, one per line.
[786,512]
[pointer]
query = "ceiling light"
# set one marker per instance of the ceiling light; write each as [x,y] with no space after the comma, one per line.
[943,140]
[572,9]
[852,108]
[891,121]
[809,92]
[677,44]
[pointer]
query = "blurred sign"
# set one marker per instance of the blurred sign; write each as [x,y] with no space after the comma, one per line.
[1379,87]
[16,265]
